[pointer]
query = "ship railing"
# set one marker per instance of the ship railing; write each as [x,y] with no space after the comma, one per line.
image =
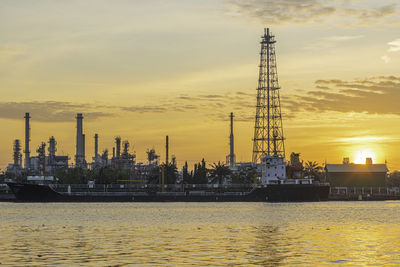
[365,191]
[152,188]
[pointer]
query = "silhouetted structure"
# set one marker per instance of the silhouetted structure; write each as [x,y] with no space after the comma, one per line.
[80,142]
[268,132]
[230,159]
[357,175]
[166,149]
[27,139]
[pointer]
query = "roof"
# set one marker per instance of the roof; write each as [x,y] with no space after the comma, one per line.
[356,168]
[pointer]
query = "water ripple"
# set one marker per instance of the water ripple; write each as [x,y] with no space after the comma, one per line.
[116,234]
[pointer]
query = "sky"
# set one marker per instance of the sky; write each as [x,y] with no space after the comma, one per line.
[146,69]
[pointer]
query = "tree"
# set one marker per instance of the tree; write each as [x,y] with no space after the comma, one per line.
[186,176]
[313,170]
[170,173]
[200,173]
[219,172]
[394,179]
[244,175]
[75,175]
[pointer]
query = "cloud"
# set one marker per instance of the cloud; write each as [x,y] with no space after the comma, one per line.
[375,13]
[385,58]
[375,95]
[145,109]
[340,38]
[394,45]
[49,111]
[211,106]
[331,41]
[277,12]
[281,11]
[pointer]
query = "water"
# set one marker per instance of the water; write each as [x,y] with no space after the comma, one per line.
[324,233]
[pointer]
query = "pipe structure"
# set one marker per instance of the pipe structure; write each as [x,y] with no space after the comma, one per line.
[96,145]
[231,144]
[166,150]
[17,153]
[80,142]
[52,149]
[84,151]
[118,146]
[27,139]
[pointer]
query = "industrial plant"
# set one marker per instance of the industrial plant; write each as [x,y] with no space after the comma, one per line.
[46,164]
[268,167]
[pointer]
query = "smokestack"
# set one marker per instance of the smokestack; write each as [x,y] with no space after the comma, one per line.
[96,145]
[166,150]
[17,153]
[80,143]
[232,153]
[118,146]
[27,139]
[52,149]
[113,152]
[83,142]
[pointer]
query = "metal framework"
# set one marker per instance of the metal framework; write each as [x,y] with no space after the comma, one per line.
[268,130]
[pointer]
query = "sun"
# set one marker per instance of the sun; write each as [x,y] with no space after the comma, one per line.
[362,155]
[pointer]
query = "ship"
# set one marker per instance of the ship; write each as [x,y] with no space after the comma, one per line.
[274,186]
[25,192]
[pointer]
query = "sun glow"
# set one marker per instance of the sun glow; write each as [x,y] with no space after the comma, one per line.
[361,156]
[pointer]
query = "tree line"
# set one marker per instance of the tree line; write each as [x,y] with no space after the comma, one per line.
[216,173]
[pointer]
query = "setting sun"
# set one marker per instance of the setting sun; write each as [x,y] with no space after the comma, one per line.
[361,156]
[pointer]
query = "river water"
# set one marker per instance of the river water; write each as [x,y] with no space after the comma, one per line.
[118,234]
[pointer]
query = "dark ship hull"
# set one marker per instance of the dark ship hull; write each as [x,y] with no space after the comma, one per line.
[25,192]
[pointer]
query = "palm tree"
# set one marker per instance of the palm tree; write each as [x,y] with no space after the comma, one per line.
[312,169]
[219,172]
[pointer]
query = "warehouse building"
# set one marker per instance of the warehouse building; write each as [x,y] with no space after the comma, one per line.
[356,175]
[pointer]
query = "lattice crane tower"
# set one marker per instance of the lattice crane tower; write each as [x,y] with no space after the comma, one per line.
[268,130]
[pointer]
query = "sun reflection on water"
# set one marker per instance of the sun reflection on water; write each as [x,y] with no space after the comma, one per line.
[350,233]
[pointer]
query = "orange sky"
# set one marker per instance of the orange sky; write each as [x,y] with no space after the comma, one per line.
[145,70]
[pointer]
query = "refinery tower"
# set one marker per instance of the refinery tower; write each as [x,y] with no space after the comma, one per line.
[268,130]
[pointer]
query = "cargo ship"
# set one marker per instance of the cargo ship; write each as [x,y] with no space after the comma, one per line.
[274,186]
[25,192]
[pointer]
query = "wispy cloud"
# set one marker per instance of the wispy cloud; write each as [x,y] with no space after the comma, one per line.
[144,109]
[303,11]
[365,139]
[394,45]
[374,95]
[331,41]
[386,58]
[49,111]
[341,38]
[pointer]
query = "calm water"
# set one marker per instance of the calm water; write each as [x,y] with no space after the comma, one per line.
[325,233]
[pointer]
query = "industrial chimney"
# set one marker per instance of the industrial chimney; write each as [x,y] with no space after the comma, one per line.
[231,144]
[166,150]
[80,142]
[17,153]
[96,145]
[52,150]
[118,146]
[27,139]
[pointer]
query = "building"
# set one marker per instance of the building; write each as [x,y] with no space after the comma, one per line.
[356,175]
